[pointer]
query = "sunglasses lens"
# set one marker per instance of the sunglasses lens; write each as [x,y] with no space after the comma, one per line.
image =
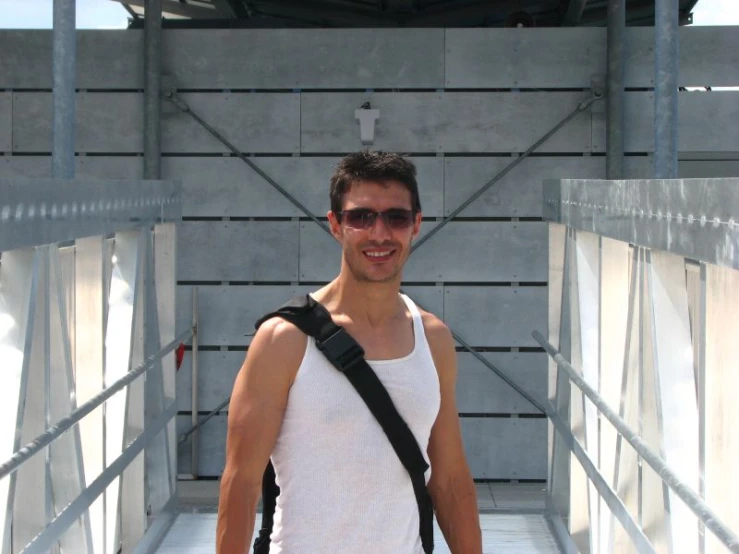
[358,219]
[399,219]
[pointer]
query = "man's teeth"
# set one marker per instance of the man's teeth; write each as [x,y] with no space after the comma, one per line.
[378,254]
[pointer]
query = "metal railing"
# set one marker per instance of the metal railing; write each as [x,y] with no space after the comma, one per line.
[644,289]
[87,433]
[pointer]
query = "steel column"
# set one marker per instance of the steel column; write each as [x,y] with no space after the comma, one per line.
[615,97]
[63,76]
[152,89]
[666,47]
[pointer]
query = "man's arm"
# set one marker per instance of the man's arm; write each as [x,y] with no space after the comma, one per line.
[451,486]
[255,416]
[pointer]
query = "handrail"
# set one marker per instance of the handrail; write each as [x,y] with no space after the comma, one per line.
[64,424]
[686,494]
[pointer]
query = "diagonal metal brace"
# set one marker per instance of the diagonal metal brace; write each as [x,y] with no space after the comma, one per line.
[180,104]
[582,106]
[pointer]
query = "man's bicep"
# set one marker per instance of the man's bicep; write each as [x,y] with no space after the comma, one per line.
[260,396]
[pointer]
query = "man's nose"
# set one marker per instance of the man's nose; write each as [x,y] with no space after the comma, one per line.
[379,227]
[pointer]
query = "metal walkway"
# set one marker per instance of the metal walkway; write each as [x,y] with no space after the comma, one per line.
[502,533]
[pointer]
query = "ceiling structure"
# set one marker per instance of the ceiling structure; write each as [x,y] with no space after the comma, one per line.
[394,13]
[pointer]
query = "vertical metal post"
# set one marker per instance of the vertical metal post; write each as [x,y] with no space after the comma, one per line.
[615,97]
[152,88]
[195,416]
[666,47]
[63,77]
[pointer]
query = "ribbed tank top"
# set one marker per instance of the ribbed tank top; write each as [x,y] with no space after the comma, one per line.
[342,487]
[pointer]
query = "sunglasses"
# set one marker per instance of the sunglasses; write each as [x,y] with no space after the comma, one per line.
[362,218]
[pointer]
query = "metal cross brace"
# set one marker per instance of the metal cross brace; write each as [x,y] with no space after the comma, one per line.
[172,96]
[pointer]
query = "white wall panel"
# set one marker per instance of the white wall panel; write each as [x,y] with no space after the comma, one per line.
[445,122]
[496,316]
[252,122]
[480,390]
[303,58]
[497,448]
[237,251]
[227,187]
[227,314]
[105,122]
[105,59]
[519,193]
[506,448]
[462,251]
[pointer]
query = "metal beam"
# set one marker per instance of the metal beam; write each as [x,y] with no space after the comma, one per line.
[181,10]
[615,97]
[152,89]
[63,72]
[666,48]
[573,14]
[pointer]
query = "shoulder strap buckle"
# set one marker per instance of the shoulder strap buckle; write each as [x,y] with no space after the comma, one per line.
[341,349]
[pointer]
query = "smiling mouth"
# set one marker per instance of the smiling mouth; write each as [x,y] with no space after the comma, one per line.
[379,255]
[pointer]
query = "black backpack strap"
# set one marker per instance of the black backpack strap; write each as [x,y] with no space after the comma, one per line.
[347,356]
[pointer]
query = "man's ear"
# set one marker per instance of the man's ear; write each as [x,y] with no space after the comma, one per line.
[417,225]
[334,225]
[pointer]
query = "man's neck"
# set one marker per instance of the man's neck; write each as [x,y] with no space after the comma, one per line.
[364,303]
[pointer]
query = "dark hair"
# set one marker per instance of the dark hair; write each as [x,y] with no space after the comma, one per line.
[378,167]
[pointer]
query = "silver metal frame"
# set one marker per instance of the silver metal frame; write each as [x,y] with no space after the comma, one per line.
[646,284]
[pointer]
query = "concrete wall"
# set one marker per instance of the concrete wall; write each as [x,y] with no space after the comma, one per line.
[463,103]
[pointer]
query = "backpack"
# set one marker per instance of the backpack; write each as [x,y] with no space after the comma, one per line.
[347,356]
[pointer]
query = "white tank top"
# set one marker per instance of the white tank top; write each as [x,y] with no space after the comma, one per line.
[342,487]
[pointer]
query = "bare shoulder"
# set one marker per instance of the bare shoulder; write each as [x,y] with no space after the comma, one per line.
[437,333]
[278,346]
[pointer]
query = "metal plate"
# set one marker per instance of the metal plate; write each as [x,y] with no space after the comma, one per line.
[263,122]
[238,251]
[445,122]
[42,211]
[696,218]
[496,316]
[305,58]
[6,121]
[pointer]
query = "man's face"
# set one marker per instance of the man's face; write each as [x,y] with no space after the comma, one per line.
[376,254]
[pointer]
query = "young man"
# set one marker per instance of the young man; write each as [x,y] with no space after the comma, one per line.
[343,488]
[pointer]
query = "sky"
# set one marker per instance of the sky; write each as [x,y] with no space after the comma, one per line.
[106,14]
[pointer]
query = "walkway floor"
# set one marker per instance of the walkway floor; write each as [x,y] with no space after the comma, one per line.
[510,516]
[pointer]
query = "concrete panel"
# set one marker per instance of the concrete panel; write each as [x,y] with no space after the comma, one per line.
[301,58]
[212,442]
[691,169]
[237,251]
[706,122]
[109,59]
[497,448]
[496,316]
[105,122]
[227,314]
[567,58]
[445,122]
[216,375]
[97,167]
[227,187]
[252,122]
[25,166]
[480,390]
[472,251]
[523,58]
[6,121]
[519,193]
[506,448]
